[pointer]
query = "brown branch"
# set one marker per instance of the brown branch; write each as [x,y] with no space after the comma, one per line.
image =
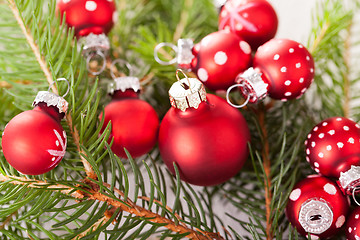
[32,45]
[88,169]
[183,19]
[267,171]
[347,82]
[31,183]
[8,219]
[319,38]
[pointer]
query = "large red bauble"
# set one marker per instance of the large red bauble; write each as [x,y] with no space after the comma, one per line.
[353,225]
[88,16]
[134,124]
[208,144]
[34,142]
[253,20]
[219,58]
[286,66]
[317,206]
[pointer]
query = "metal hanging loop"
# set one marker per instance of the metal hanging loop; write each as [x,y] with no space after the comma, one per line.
[228,97]
[91,56]
[58,80]
[161,45]
[122,62]
[182,84]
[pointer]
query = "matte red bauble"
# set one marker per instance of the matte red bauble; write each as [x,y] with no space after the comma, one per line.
[205,137]
[216,60]
[34,141]
[283,69]
[134,122]
[333,149]
[353,225]
[253,20]
[317,206]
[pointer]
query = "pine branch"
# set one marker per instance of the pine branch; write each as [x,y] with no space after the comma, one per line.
[33,45]
[88,169]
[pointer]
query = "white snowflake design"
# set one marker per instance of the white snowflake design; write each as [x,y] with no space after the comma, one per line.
[58,155]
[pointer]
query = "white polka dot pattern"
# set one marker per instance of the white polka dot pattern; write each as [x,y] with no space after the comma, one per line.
[90,6]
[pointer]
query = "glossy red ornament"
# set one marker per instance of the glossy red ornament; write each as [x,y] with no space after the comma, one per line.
[34,141]
[134,122]
[352,228]
[317,206]
[333,148]
[253,20]
[88,16]
[203,135]
[283,69]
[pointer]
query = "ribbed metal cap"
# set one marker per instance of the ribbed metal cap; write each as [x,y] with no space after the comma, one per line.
[186,93]
[124,83]
[315,216]
[51,99]
[253,85]
[93,43]
[350,179]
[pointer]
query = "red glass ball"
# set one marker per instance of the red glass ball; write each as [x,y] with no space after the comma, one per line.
[135,126]
[333,146]
[253,20]
[34,142]
[286,66]
[353,225]
[208,144]
[219,58]
[317,206]
[88,16]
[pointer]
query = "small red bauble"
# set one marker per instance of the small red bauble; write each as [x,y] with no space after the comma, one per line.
[34,141]
[216,60]
[317,206]
[134,122]
[203,135]
[88,16]
[333,149]
[283,69]
[92,20]
[253,20]
[353,225]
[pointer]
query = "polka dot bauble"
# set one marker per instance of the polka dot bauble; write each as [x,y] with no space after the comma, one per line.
[352,228]
[333,150]
[219,58]
[34,141]
[282,69]
[253,20]
[317,206]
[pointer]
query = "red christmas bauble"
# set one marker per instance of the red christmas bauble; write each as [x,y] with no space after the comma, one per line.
[286,66]
[134,124]
[219,58]
[88,16]
[317,206]
[353,225]
[253,20]
[333,147]
[34,141]
[204,136]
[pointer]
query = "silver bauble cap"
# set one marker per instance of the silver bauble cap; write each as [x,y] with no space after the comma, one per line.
[93,43]
[350,179]
[186,93]
[315,216]
[51,99]
[124,83]
[253,85]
